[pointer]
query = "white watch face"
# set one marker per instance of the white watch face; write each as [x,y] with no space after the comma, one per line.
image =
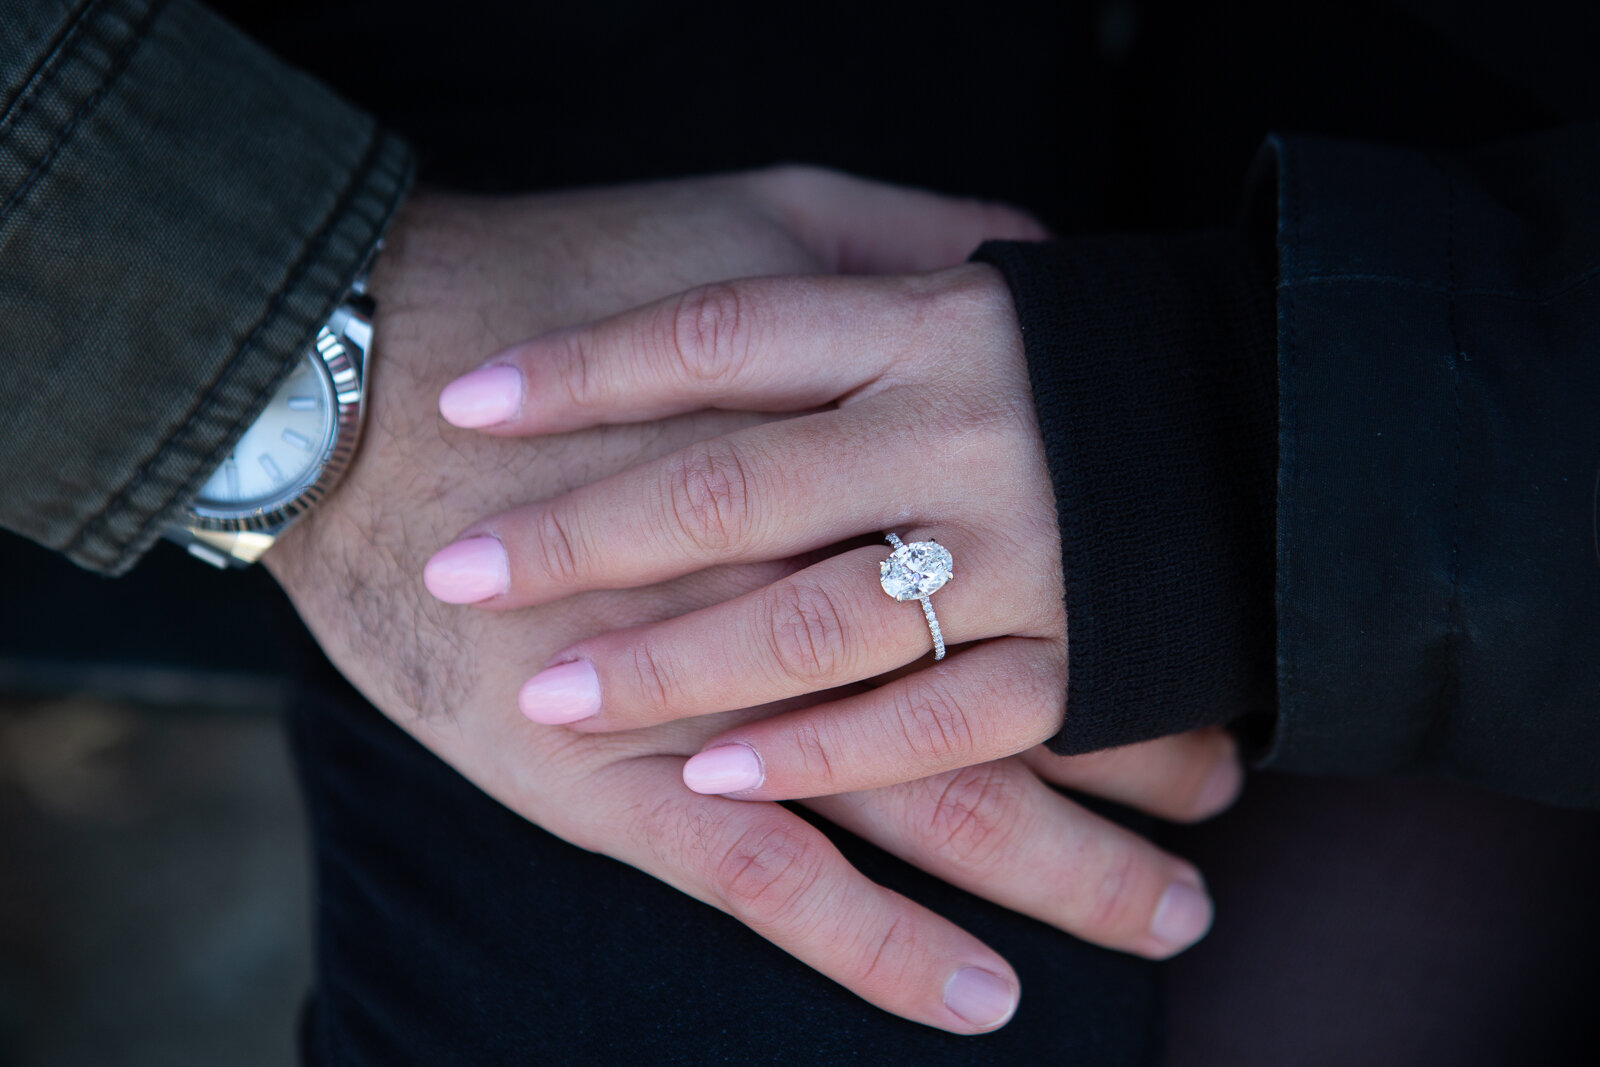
[285,448]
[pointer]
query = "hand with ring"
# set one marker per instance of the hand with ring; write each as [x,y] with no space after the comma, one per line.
[912,417]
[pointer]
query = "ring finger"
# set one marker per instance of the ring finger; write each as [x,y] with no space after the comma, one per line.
[826,626]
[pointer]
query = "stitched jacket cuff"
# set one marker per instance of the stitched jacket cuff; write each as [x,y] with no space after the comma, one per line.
[179,213]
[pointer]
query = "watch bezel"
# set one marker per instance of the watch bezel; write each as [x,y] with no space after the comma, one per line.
[341,352]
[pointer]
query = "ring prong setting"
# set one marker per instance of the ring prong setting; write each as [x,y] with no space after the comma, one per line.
[915,572]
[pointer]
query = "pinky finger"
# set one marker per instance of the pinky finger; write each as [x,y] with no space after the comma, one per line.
[1185,777]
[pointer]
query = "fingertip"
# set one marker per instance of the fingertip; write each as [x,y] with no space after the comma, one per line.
[1009,223]
[565,693]
[724,769]
[981,998]
[485,397]
[1222,786]
[469,571]
[1182,917]
[1221,789]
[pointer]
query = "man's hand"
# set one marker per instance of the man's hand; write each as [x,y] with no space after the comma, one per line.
[462,278]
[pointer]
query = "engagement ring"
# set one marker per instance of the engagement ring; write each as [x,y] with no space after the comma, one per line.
[915,572]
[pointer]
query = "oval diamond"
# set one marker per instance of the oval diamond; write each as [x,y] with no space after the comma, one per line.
[916,570]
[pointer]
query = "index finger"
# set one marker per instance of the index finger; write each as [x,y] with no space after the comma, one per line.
[757,344]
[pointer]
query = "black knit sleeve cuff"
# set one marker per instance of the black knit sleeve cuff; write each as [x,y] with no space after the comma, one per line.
[1152,362]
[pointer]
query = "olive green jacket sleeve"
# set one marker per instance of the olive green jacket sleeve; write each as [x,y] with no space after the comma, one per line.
[179,212]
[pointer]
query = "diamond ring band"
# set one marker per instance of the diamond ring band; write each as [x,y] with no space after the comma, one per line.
[915,572]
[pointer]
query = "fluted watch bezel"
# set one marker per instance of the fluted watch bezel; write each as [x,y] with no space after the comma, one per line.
[239,536]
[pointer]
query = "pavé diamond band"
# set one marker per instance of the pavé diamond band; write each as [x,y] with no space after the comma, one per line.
[916,572]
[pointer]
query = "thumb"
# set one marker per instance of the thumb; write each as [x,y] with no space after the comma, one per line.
[856,226]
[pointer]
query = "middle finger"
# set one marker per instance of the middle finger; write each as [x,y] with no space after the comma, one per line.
[764,493]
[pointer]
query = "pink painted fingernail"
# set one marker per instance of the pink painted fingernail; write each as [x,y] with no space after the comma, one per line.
[724,769]
[468,571]
[1182,917]
[561,694]
[980,997]
[486,397]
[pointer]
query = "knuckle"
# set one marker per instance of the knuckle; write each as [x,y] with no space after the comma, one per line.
[977,294]
[1110,905]
[652,679]
[973,819]
[797,172]
[556,548]
[1048,614]
[811,751]
[935,728]
[953,300]
[708,490]
[576,371]
[711,337]
[893,955]
[809,636]
[1035,693]
[764,877]
[996,428]
[794,182]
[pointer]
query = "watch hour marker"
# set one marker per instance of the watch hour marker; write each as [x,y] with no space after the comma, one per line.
[269,465]
[302,403]
[230,473]
[297,439]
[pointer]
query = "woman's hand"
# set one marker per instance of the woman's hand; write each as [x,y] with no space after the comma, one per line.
[471,275]
[912,415]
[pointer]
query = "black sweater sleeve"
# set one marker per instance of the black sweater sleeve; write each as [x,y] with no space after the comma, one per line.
[1151,362]
[1375,525]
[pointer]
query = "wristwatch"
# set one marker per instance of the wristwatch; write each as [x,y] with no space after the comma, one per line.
[294,453]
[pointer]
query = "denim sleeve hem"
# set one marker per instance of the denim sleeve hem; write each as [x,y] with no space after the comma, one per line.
[179,212]
[115,538]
